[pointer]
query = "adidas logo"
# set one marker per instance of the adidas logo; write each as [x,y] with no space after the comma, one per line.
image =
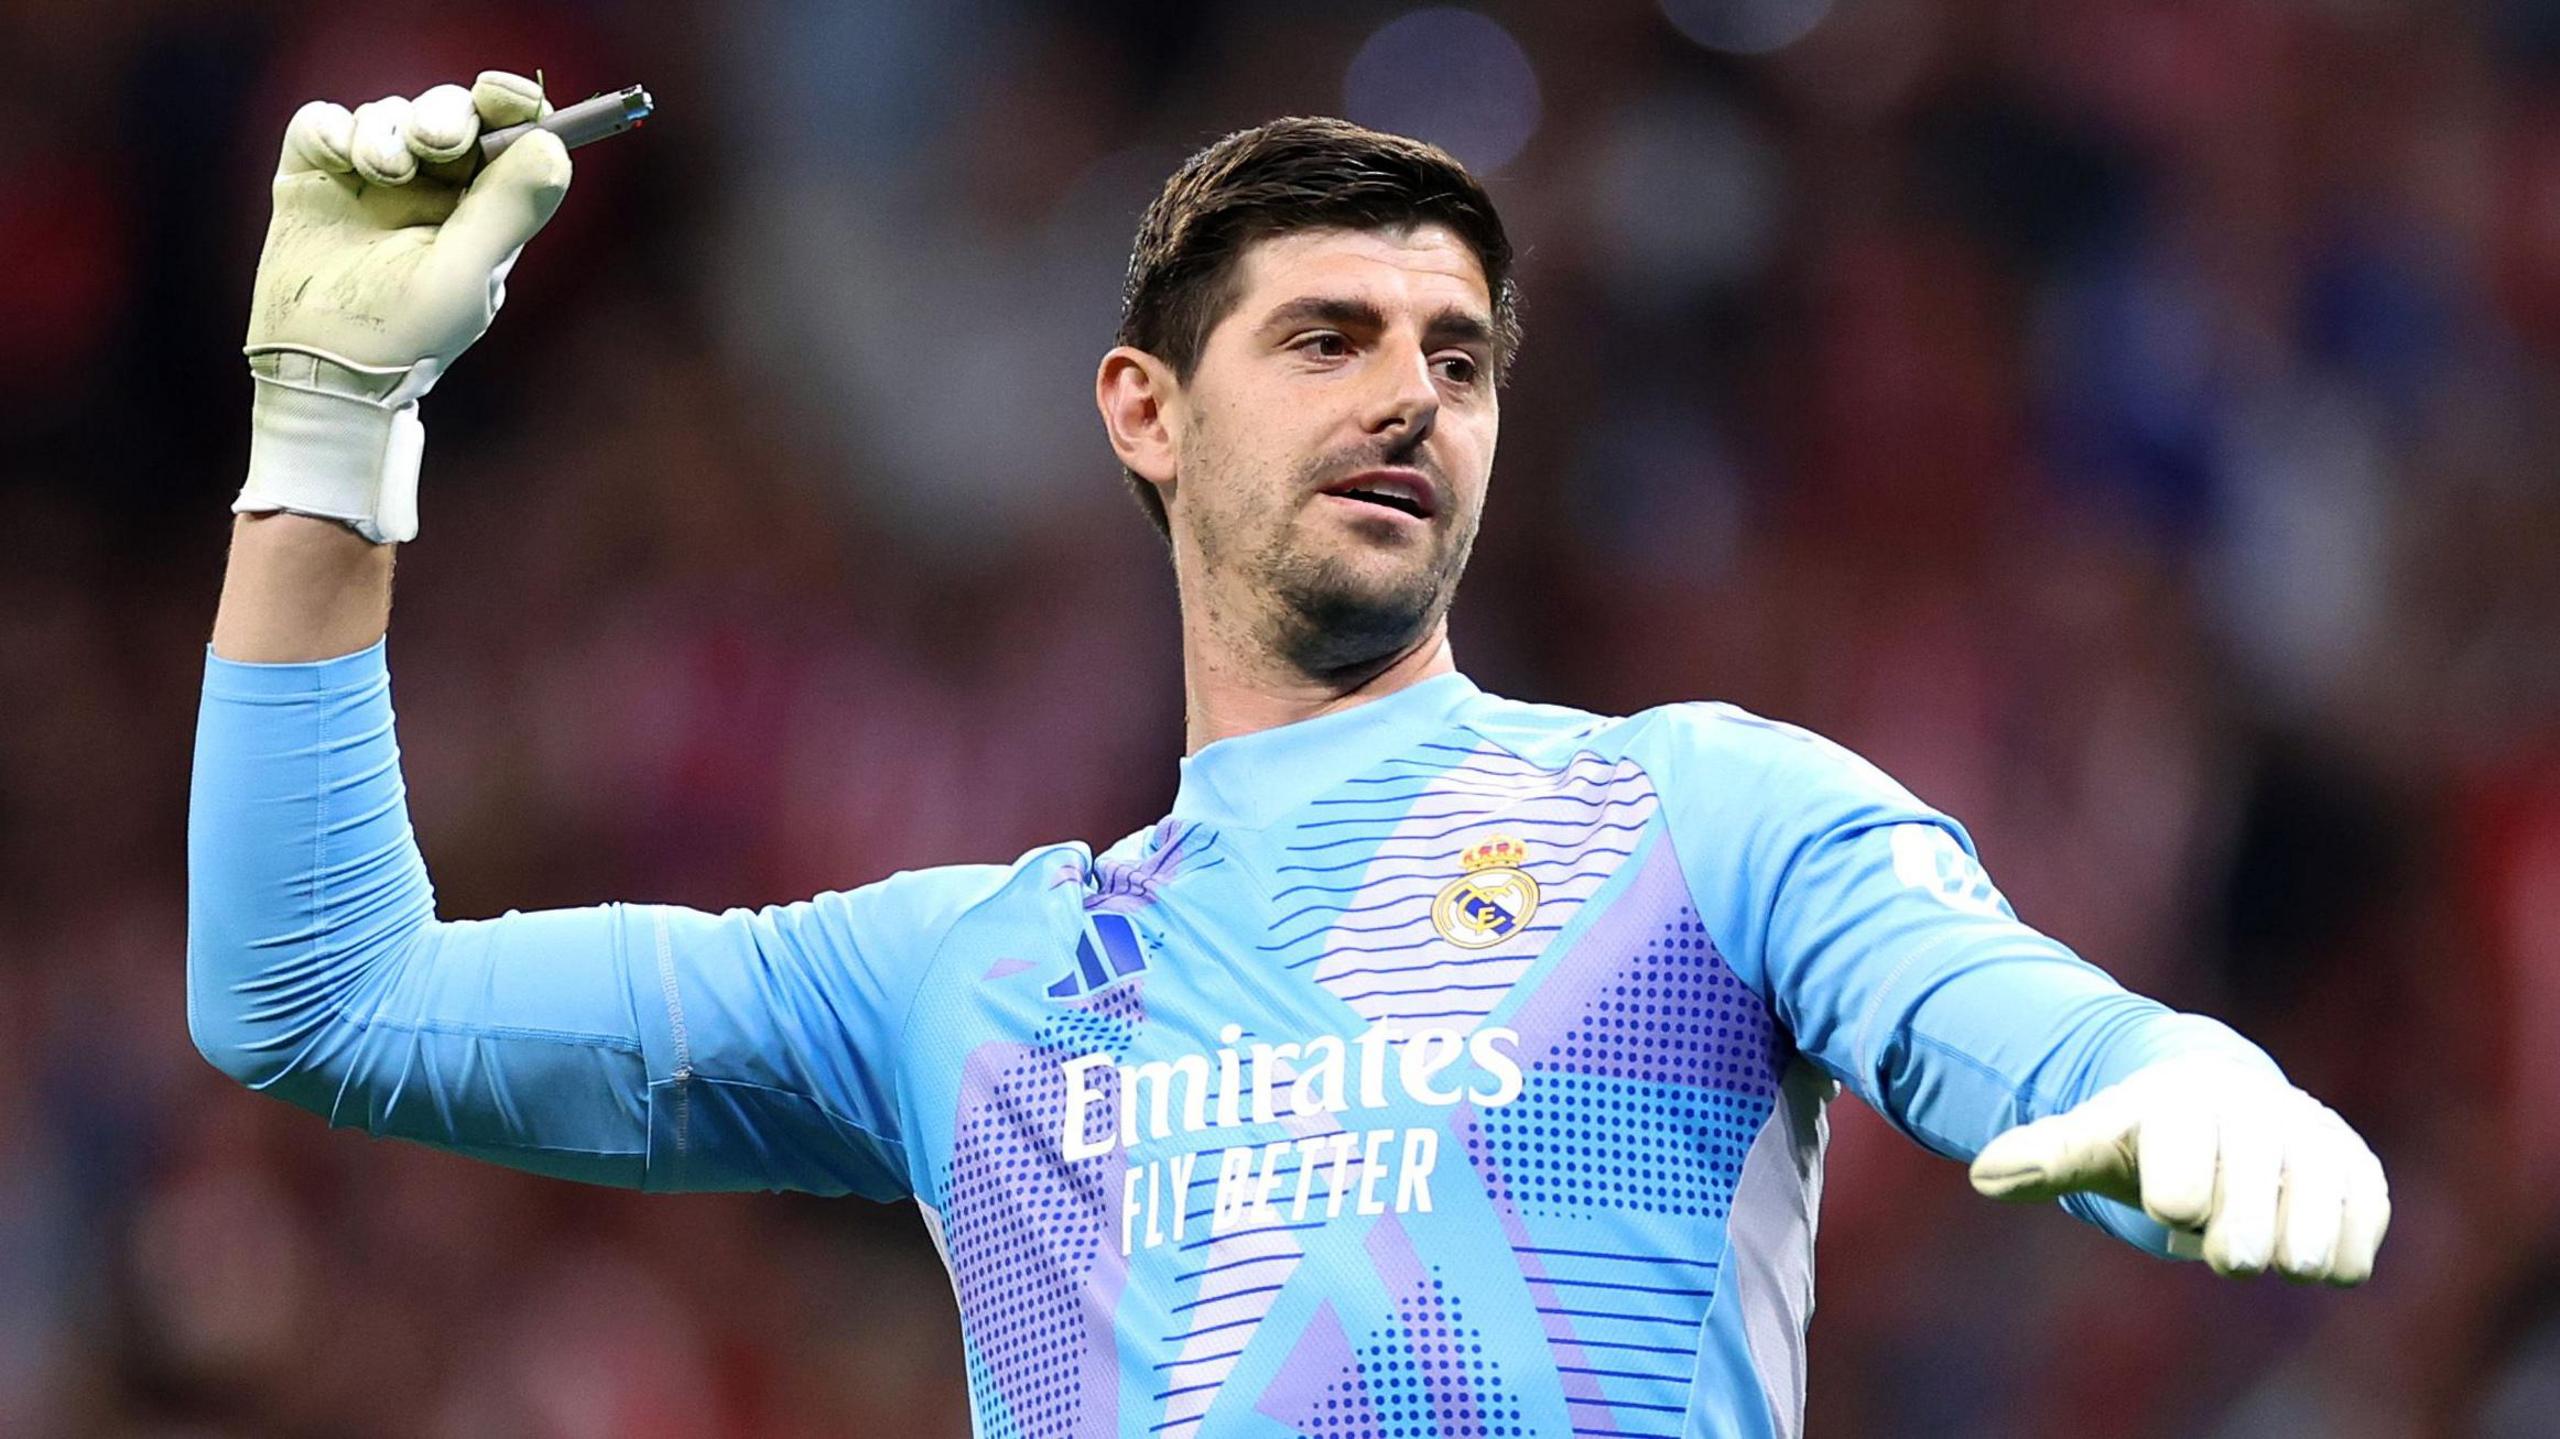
[1117,956]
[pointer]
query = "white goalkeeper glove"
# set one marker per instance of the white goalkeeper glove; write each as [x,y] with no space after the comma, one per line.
[381,266]
[2246,1171]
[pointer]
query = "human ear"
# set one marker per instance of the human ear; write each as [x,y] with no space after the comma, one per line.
[1135,390]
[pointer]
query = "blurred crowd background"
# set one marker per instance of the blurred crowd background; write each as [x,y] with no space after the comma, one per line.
[2133,424]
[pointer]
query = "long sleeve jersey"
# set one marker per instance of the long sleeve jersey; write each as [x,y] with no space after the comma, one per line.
[1446,1065]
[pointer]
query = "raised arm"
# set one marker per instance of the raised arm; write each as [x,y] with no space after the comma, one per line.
[637,1045]
[634,1045]
[384,261]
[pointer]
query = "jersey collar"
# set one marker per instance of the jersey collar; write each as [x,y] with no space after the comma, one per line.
[1252,780]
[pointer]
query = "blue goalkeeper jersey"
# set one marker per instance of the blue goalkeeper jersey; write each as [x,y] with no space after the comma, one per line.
[1443,1066]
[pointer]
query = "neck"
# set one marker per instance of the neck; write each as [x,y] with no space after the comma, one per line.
[1229,691]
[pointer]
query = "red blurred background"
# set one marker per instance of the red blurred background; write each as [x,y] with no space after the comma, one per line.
[2132,424]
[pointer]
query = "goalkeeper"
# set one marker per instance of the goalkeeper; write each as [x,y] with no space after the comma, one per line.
[1440,1064]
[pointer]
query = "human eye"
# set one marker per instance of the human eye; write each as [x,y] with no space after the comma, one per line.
[1323,344]
[1457,368]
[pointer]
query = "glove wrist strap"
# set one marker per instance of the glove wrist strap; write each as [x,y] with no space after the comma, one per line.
[336,440]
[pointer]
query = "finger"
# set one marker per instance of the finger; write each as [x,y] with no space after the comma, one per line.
[2176,1150]
[2082,1149]
[319,139]
[442,123]
[504,99]
[381,148]
[2240,1235]
[506,205]
[2366,1219]
[2313,1205]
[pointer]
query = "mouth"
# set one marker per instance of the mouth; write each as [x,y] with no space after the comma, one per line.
[1405,492]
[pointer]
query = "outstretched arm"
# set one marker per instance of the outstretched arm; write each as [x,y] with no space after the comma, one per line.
[1897,966]
[1994,1043]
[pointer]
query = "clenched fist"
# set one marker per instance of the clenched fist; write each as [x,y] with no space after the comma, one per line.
[385,259]
[2246,1171]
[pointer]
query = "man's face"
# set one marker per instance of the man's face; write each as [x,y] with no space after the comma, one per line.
[1335,441]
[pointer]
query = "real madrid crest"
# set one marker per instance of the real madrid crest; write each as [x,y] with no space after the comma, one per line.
[1492,901]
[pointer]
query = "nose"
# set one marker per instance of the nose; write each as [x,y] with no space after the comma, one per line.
[1406,404]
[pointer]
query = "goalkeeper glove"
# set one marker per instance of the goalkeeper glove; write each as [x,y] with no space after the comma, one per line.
[384,261]
[2246,1170]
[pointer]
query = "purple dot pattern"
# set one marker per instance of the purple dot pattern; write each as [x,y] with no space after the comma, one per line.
[1675,1013]
[1653,1068]
[1650,1101]
[1029,1234]
[1673,1153]
[1428,1375]
[1308,1389]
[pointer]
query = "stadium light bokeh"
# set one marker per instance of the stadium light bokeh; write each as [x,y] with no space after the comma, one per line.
[1453,77]
[2129,424]
[1746,27]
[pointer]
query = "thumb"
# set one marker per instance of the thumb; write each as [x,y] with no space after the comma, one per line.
[2086,1149]
[506,204]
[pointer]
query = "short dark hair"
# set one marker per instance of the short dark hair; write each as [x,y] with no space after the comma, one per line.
[1300,173]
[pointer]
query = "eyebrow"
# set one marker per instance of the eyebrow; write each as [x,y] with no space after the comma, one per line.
[1450,326]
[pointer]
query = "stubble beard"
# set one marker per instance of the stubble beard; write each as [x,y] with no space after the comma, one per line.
[1314,612]
[1328,621]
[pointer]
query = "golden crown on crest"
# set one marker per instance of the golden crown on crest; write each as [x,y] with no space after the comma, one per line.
[1499,852]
